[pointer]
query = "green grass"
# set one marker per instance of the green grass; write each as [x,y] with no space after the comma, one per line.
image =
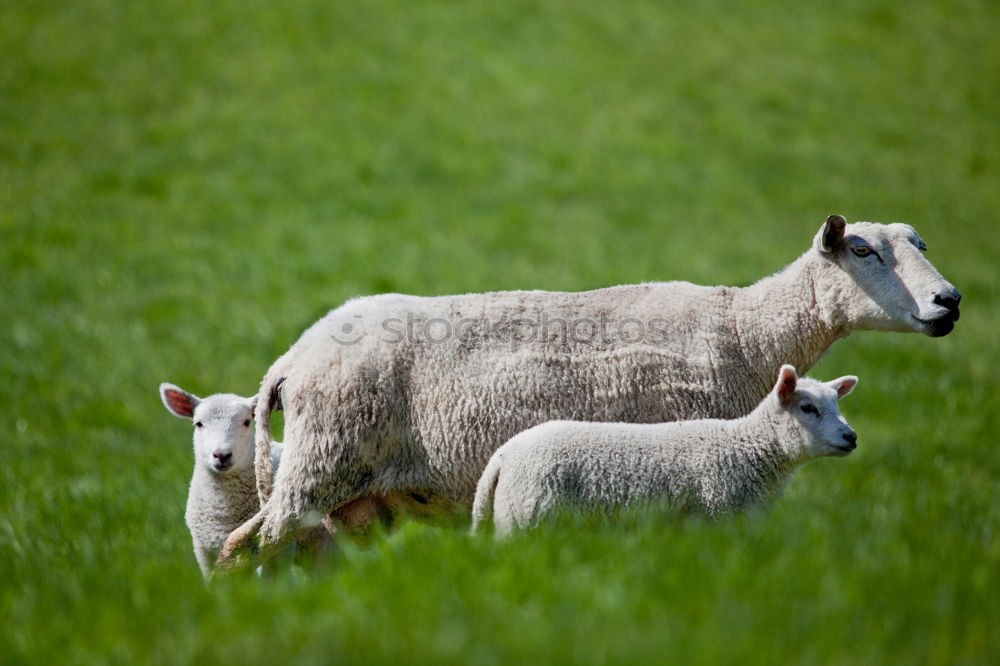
[184,186]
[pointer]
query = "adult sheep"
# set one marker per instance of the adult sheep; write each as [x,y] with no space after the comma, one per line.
[404,393]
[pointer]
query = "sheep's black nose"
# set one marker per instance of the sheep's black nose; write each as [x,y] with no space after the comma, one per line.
[851,438]
[949,300]
[222,457]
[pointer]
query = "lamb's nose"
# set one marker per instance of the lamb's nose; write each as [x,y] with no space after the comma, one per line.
[222,457]
[950,300]
[851,438]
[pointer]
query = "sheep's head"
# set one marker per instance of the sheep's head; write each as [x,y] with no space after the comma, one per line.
[814,408]
[890,284]
[223,427]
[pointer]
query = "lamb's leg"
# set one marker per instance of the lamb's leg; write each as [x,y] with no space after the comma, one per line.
[205,560]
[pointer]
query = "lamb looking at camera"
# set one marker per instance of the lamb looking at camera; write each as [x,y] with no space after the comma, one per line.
[223,492]
[712,467]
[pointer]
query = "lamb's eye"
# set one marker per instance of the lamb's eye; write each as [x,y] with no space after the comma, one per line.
[808,408]
[246,424]
[199,424]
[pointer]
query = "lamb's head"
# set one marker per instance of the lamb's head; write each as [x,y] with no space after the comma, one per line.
[223,427]
[812,407]
[884,280]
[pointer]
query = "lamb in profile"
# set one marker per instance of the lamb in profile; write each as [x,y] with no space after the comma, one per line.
[710,466]
[223,492]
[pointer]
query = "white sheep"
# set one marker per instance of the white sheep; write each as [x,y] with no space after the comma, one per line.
[709,466]
[223,491]
[404,393]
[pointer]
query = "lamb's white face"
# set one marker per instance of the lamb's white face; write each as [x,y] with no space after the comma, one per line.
[815,407]
[223,433]
[223,427]
[895,287]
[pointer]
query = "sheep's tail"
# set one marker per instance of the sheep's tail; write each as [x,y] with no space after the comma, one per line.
[267,400]
[482,506]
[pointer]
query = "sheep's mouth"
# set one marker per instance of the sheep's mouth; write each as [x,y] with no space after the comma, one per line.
[843,449]
[222,468]
[940,327]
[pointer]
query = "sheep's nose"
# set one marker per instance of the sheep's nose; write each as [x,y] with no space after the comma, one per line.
[950,300]
[222,457]
[851,438]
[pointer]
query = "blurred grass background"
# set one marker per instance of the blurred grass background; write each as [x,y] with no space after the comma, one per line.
[185,186]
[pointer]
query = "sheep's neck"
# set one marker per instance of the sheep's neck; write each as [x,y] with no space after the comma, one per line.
[787,318]
[757,459]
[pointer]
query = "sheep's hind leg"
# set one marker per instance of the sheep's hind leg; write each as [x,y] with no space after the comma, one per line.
[258,539]
[355,519]
[241,545]
[288,517]
[250,546]
[245,547]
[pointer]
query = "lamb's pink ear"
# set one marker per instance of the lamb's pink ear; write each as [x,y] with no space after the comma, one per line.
[844,385]
[831,236]
[787,380]
[178,401]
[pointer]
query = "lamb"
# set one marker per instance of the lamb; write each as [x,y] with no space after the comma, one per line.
[712,467]
[403,393]
[223,491]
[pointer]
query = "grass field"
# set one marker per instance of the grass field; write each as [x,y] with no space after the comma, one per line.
[185,186]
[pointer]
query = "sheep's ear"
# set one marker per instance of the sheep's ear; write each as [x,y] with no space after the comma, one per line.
[831,236]
[844,385]
[785,387]
[178,401]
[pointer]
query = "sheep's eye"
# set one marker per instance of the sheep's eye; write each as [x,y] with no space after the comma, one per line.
[199,424]
[246,424]
[808,408]
[864,251]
